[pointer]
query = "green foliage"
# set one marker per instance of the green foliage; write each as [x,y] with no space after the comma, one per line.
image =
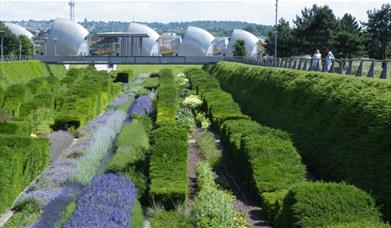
[167,99]
[317,204]
[67,215]
[21,160]
[11,42]
[132,144]
[124,76]
[379,32]
[170,219]
[21,72]
[25,214]
[168,166]
[151,83]
[137,215]
[239,48]
[20,128]
[57,70]
[360,225]
[336,122]
[201,81]
[285,40]
[209,150]
[14,97]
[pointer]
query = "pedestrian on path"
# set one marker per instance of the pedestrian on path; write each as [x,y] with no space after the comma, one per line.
[329,60]
[316,60]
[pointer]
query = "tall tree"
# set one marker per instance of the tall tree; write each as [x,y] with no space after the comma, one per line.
[348,41]
[285,38]
[239,48]
[315,29]
[10,40]
[378,31]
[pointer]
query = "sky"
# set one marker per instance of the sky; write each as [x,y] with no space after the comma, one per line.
[256,11]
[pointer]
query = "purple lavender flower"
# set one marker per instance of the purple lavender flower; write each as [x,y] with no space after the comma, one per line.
[143,105]
[55,209]
[107,202]
[59,140]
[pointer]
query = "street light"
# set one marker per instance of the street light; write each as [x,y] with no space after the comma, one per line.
[276,33]
[20,48]
[2,44]
[55,46]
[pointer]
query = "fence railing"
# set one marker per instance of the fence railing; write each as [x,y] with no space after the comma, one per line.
[16,58]
[355,67]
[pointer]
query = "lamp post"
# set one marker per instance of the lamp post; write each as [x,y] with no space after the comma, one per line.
[276,33]
[46,46]
[20,48]
[2,44]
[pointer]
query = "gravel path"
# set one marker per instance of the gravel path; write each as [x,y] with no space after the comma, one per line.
[193,158]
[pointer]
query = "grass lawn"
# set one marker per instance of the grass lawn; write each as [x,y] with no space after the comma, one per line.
[137,69]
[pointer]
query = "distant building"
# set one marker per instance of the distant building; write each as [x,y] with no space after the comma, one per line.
[254,45]
[196,42]
[220,44]
[150,45]
[169,43]
[66,38]
[18,30]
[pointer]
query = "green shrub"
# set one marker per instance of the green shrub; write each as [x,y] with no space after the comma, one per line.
[14,97]
[19,128]
[122,77]
[272,205]
[167,99]
[21,72]
[170,219]
[360,225]
[168,166]
[151,83]
[132,145]
[57,70]
[341,125]
[137,215]
[202,81]
[21,160]
[208,148]
[273,162]
[24,215]
[317,204]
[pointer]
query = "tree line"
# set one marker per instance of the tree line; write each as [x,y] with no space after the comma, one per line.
[11,42]
[318,28]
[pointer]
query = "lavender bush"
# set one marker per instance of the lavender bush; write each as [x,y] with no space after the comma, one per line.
[56,208]
[143,105]
[99,149]
[107,202]
[59,141]
[119,101]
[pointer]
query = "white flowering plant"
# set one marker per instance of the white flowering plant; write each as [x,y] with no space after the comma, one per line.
[192,101]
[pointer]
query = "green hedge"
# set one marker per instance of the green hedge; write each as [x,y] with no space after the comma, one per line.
[341,125]
[151,83]
[57,70]
[172,219]
[168,166]
[14,97]
[21,72]
[19,128]
[322,204]
[167,99]
[21,160]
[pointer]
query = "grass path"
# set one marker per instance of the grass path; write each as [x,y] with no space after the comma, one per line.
[193,158]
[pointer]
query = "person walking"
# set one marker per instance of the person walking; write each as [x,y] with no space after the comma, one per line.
[329,60]
[316,60]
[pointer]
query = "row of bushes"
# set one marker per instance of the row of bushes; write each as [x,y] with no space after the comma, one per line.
[167,99]
[270,166]
[20,72]
[22,159]
[340,124]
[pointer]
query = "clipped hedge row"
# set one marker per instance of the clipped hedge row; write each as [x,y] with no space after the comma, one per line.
[19,128]
[21,72]
[167,99]
[340,124]
[168,166]
[57,70]
[269,165]
[21,160]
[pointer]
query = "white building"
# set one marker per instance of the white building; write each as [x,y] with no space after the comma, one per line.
[196,42]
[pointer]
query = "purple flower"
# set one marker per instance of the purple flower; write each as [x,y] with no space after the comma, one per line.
[59,141]
[143,105]
[119,101]
[107,202]
[55,209]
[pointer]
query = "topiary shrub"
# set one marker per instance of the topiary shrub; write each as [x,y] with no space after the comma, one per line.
[166,219]
[168,166]
[319,204]
[19,128]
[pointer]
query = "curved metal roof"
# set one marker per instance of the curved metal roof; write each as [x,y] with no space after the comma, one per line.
[250,40]
[196,42]
[219,45]
[18,30]
[150,44]
[70,38]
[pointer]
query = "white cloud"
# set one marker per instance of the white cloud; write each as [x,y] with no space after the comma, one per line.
[171,10]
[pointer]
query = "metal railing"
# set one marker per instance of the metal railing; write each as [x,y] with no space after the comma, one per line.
[16,58]
[352,67]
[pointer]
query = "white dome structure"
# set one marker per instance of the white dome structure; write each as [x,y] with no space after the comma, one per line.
[220,44]
[18,30]
[67,38]
[250,40]
[196,42]
[150,45]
